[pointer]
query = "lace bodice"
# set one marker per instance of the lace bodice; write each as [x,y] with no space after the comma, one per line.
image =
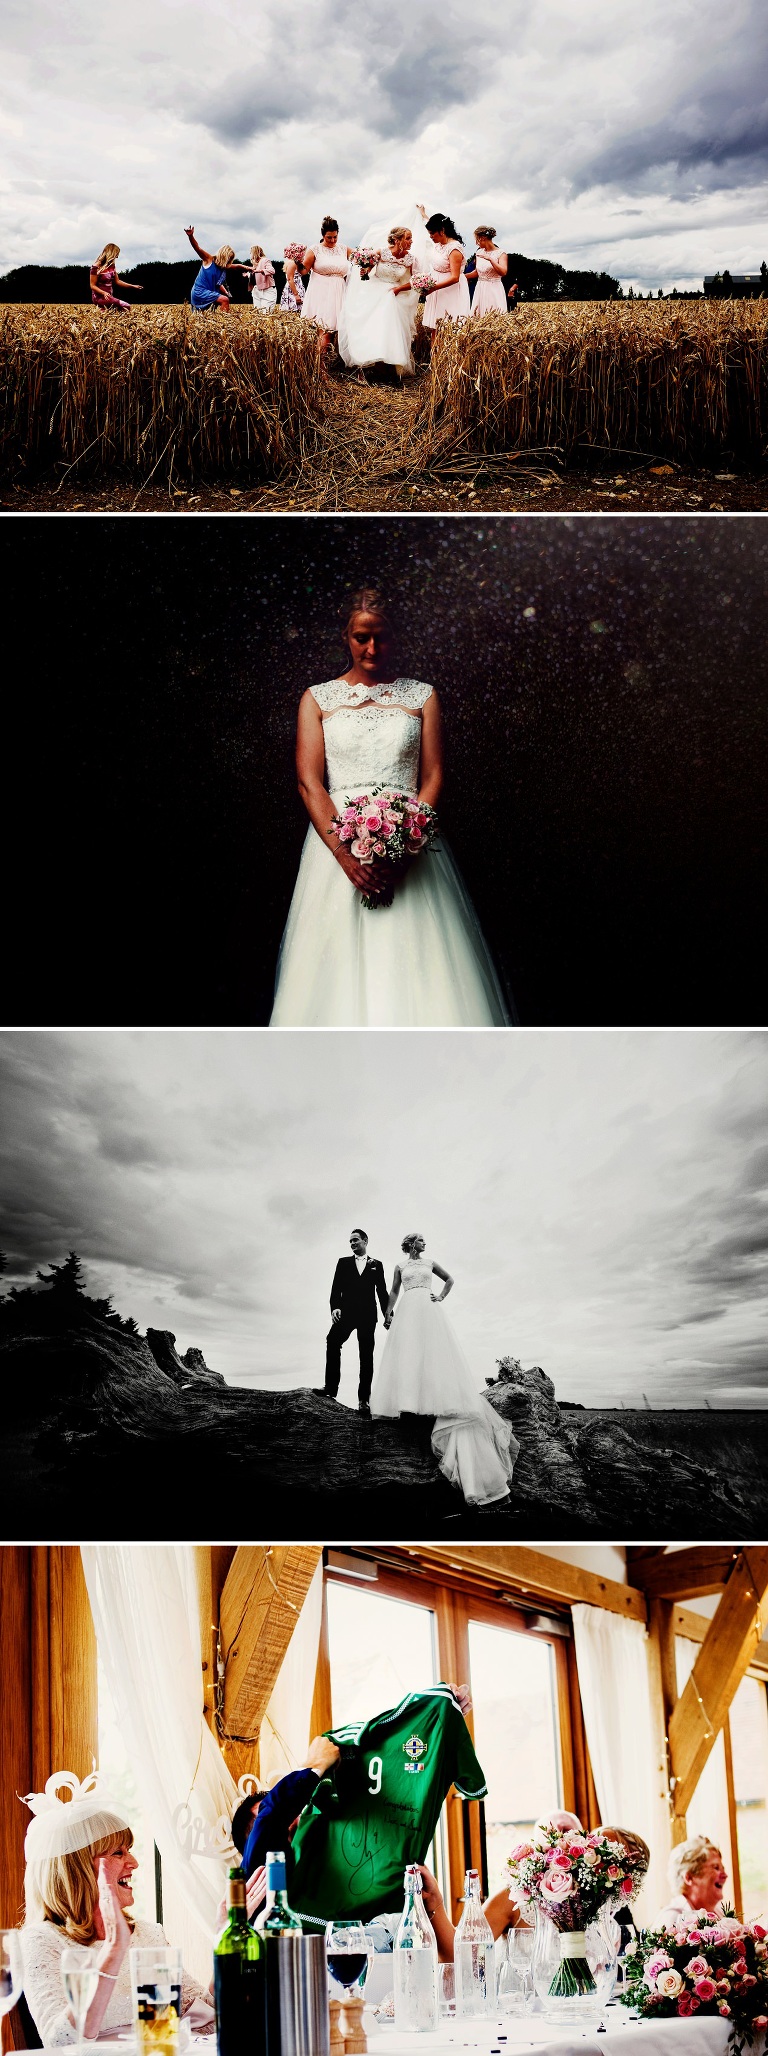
[416,1274]
[394,271]
[331,263]
[42,1945]
[440,258]
[372,733]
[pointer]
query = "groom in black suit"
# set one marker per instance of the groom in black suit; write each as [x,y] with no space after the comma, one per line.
[357,1284]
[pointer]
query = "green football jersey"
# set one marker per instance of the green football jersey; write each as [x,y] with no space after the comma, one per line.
[378,1808]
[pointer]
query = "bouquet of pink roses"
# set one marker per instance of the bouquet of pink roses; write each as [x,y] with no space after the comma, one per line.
[365,259]
[703,1966]
[422,282]
[569,1874]
[385,826]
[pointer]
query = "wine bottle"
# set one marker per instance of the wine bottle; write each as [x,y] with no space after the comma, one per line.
[474,1956]
[276,1917]
[415,1962]
[239,1987]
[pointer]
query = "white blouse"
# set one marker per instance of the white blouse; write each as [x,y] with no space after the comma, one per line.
[42,1947]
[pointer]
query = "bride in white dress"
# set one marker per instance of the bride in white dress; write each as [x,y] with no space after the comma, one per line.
[377,323]
[420,962]
[424,1371]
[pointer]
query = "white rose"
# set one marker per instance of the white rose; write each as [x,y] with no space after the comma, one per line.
[591,1858]
[669,1983]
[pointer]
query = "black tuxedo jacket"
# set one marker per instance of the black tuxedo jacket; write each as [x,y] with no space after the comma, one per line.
[355,1292]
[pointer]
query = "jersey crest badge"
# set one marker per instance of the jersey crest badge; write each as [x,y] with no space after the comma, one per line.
[414,1749]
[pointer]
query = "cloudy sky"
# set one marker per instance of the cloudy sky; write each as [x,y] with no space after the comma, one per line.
[625,134]
[600,1198]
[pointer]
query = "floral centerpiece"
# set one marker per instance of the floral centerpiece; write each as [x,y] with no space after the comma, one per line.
[701,1966]
[383,826]
[568,1876]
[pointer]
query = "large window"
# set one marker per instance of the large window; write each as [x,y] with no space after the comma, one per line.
[394,1633]
[517,1735]
[730,1803]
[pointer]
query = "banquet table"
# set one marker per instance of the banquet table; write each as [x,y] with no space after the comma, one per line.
[692,2037]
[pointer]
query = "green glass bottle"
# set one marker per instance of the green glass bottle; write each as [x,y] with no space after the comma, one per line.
[239,1980]
[277,1918]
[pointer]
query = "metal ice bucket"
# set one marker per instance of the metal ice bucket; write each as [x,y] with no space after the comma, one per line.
[298,2021]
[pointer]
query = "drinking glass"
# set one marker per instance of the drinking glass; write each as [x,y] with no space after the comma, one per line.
[510,1988]
[156,1981]
[11,1978]
[81,1983]
[520,1951]
[348,1954]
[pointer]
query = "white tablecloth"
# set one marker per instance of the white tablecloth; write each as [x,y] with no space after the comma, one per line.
[708,2037]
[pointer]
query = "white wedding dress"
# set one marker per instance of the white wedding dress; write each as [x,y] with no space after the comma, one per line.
[377,325]
[421,962]
[424,1370]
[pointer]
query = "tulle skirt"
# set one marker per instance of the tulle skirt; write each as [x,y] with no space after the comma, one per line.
[421,963]
[377,326]
[424,1370]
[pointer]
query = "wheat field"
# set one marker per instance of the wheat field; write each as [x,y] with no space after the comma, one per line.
[158,392]
[685,380]
[164,393]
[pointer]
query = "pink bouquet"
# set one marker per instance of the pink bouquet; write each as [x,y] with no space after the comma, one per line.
[423,283]
[365,259]
[296,251]
[703,1966]
[385,827]
[569,1874]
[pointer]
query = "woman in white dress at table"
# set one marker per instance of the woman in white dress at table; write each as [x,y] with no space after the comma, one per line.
[420,961]
[79,1896]
[377,323]
[490,294]
[423,1370]
[328,267]
[450,299]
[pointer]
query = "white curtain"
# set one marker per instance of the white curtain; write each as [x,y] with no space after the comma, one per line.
[144,1605]
[612,1660]
[285,1728]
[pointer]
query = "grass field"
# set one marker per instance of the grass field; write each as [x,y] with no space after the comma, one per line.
[166,395]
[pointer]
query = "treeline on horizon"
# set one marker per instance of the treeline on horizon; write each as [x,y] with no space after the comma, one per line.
[539,278]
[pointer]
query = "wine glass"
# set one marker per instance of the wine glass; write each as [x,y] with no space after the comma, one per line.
[80,1978]
[520,1946]
[510,1988]
[348,1954]
[11,1975]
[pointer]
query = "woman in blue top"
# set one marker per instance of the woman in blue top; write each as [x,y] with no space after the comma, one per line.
[209,289]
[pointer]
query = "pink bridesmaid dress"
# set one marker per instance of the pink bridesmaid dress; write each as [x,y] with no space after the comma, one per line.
[490,293]
[325,292]
[453,301]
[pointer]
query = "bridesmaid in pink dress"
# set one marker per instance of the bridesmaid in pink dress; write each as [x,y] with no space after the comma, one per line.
[328,267]
[451,297]
[490,295]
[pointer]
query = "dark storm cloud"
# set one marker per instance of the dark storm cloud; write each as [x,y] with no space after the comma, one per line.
[712,135]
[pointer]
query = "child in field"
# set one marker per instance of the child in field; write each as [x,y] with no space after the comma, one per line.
[104,279]
[209,289]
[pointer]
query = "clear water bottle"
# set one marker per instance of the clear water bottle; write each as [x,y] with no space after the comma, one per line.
[415,1963]
[474,1956]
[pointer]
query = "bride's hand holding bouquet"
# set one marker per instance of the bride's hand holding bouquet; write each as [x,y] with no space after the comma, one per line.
[392,827]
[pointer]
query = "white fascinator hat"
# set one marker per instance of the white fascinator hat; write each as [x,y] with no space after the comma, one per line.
[59,1826]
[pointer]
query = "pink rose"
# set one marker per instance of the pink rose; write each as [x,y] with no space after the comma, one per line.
[561,1859]
[627,1887]
[613,1870]
[372,821]
[761,1932]
[688,2003]
[697,1966]
[556,1886]
[706,1989]
[722,2007]
[760,2020]
[379,849]
[362,850]
[591,1858]
[658,1961]
[387,826]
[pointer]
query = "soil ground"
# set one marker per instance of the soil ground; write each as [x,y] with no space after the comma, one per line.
[362,466]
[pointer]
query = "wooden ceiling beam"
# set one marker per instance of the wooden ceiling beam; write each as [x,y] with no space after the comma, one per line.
[683,1573]
[694,1627]
[526,1573]
[261,1600]
[729,1646]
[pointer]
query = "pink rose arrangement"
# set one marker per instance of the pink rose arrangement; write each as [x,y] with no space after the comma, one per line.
[365,259]
[383,826]
[296,251]
[422,282]
[701,1966]
[568,1875]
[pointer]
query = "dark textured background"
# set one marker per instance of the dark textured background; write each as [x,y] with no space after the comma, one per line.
[606,754]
